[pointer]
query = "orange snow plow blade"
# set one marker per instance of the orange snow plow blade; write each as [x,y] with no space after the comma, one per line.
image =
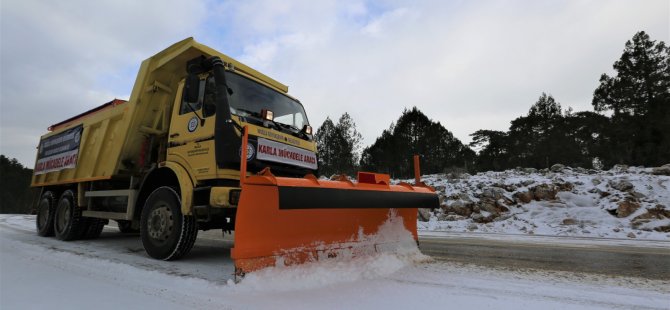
[286,221]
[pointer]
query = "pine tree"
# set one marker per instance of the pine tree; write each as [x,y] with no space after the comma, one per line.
[350,140]
[414,133]
[587,142]
[376,158]
[639,98]
[338,146]
[642,77]
[534,138]
[494,151]
[325,138]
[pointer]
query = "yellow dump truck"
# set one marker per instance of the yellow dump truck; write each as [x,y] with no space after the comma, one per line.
[168,162]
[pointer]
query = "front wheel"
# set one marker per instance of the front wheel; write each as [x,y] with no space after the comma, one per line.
[166,233]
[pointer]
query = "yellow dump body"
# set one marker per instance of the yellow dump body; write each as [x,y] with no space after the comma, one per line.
[101,136]
[110,141]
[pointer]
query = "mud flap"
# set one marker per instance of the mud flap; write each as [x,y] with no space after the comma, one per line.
[294,220]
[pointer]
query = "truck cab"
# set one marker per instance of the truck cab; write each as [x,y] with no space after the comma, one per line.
[279,137]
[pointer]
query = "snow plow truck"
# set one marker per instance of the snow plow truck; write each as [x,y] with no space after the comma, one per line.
[206,142]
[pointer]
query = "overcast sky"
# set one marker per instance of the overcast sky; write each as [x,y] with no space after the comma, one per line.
[468,64]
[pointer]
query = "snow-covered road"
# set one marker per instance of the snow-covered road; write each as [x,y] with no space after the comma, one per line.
[113,272]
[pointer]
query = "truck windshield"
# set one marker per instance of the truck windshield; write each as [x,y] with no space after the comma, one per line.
[248,98]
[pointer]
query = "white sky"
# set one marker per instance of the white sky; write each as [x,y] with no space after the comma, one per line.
[468,64]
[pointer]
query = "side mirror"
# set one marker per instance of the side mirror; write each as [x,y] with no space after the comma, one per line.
[191,88]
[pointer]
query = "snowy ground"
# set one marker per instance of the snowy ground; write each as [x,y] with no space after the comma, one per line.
[113,273]
[620,203]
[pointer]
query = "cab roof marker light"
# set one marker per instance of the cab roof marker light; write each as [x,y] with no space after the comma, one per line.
[267,115]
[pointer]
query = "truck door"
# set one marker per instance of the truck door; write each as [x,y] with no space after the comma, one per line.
[191,138]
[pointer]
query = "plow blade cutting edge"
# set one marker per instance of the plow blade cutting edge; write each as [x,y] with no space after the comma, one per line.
[286,221]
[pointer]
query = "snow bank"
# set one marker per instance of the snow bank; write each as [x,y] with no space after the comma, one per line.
[620,203]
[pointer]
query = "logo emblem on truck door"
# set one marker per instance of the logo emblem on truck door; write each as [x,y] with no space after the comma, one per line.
[250,152]
[192,124]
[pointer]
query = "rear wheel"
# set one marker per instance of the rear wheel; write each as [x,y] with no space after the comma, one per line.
[45,214]
[94,228]
[166,233]
[68,222]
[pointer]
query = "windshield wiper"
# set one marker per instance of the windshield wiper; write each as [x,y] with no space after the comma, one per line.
[284,125]
[296,130]
[257,116]
[252,113]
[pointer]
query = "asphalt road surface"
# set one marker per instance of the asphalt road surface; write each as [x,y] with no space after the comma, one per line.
[606,256]
[615,257]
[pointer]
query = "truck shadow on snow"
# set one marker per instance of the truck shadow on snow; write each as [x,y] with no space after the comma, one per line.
[131,243]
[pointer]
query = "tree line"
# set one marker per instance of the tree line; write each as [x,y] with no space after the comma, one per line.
[630,125]
[15,193]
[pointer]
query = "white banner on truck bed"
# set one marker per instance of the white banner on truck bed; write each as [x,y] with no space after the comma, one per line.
[59,151]
[286,154]
[57,162]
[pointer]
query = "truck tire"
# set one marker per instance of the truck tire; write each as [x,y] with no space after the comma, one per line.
[68,222]
[45,214]
[94,227]
[167,234]
[126,227]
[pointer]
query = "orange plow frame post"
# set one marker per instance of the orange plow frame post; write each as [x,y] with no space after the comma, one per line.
[302,219]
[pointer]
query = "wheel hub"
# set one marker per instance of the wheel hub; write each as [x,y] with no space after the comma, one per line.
[160,224]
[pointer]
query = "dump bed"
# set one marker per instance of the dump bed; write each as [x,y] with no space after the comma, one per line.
[111,142]
[85,147]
